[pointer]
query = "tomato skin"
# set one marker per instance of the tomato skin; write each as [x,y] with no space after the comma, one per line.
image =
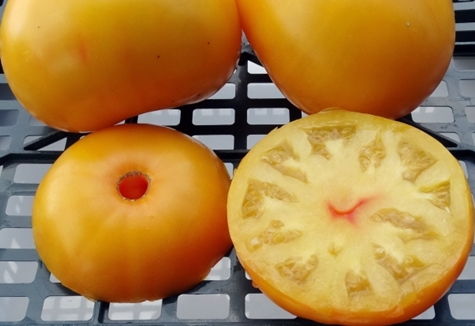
[109,248]
[379,57]
[85,65]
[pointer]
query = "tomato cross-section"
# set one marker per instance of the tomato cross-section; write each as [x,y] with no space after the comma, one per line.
[350,218]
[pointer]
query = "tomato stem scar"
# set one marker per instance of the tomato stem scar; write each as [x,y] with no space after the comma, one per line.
[133,185]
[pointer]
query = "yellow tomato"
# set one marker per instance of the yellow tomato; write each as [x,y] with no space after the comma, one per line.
[379,57]
[84,65]
[132,213]
[349,218]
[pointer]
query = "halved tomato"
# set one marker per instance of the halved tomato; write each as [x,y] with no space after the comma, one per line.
[132,213]
[350,218]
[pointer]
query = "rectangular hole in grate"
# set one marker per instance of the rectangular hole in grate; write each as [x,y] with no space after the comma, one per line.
[59,145]
[203,306]
[265,116]
[464,63]
[229,168]
[168,117]
[464,168]
[452,135]
[253,140]
[468,272]
[221,271]
[263,90]
[433,114]
[462,306]
[30,173]
[8,117]
[13,309]
[5,142]
[259,306]
[429,314]
[441,90]
[35,122]
[16,238]
[53,279]
[202,117]
[254,68]
[147,310]
[467,88]
[67,308]
[470,112]
[226,92]
[18,271]
[216,142]
[19,205]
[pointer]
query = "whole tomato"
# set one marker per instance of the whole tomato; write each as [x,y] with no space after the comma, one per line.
[373,56]
[132,213]
[84,65]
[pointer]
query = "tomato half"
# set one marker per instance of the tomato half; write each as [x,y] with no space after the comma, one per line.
[350,218]
[379,57]
[84,65]
[132,213]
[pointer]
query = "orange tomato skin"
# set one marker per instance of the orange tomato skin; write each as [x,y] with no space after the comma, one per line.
[85,65]
[109,248]
[379,57]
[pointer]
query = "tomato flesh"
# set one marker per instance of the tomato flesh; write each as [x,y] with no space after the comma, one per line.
[133,185]
[350,218]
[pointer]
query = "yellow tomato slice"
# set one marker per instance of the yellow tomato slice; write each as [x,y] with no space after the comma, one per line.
[350,218]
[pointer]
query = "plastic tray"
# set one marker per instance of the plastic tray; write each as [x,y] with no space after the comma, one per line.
[230,122]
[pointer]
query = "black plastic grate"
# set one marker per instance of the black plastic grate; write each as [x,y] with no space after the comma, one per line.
[230,122]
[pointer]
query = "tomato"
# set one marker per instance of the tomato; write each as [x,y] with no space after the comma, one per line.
[85,65]
[132,212]
[379,57]
[350,218]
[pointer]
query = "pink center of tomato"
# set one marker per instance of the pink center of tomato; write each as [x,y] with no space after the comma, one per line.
[133,185]
[345,209]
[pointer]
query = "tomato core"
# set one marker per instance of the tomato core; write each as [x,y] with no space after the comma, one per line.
[345,211]
[133,185]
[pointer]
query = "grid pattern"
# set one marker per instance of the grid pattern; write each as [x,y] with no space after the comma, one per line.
[230,122]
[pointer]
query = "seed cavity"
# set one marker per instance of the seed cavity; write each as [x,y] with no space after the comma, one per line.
[412,227]
[399,219]
[414,159]
[255,195]
[439,194]
[357,283]
[334,130]
[400,270]
[335,249]
[275,233]
[296,269]
[280,156]
[373,153]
